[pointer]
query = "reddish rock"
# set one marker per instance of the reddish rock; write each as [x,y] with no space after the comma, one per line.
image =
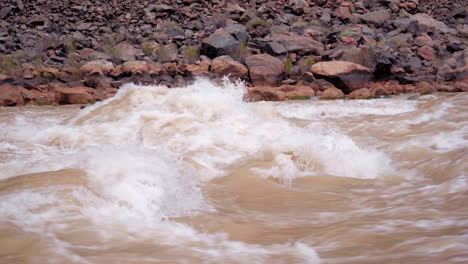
[409,88]
[461,86]
[10,96]
[265,70]
[49,72]
[363,93]
[449,87]
[46,97]
[426,53]
[281,93]
[99,67]
[225,65]
[342,13]
[296,91]
[349,41]
[200,68]
[386,88]
[75,95]
[131,67]
[106,93]
[408,6]
[263,93]
[423,40]
[424,88]
[332,93]
[345,75]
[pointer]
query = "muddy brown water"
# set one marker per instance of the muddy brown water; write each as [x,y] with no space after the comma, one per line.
[195,175]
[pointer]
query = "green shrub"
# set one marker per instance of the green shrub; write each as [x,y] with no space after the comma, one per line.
[300,24]
[288,65]
[7,64]
[252,24]
[148,48]
[191,54]
[346,33]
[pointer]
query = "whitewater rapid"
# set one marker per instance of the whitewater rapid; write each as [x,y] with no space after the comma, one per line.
[197,175]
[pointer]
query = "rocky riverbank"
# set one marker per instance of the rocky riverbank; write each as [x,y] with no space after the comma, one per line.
[77,52]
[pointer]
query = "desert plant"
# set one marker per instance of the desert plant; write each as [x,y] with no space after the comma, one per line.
[71,45]
[110,48]
[191,54]
[346,33]
[74,60]
[7,64]
[148,48]
[300,24]
[288,65]
[252,24]
[310,61]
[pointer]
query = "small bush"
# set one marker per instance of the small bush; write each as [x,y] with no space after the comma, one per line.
[252,24]
[71,45]
[191,54]
[310,61]
[148,48]
[288,65]
[7,64]
[74,60]
[300,24]
[346,33]
[110,48]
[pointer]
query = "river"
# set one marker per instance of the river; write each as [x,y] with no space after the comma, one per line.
[196,175]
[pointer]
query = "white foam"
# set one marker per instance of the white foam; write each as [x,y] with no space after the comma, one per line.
[320,110]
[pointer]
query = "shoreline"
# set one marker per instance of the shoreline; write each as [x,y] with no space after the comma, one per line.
[61,52]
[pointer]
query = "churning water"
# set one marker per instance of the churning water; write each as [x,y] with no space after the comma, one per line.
[196,175]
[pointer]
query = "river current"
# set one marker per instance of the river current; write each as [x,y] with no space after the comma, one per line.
[196,175]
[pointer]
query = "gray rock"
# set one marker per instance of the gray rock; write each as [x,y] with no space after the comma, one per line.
[275,49]
[219,43]
[377,18]
[238,31]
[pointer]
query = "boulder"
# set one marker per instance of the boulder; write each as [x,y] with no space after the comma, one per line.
[424,88]
[332,93]
[131,67]
[74,95]
[225,65]
[99,67]
[376,18]
[219,43]
[201,68]
[342,13]
[297,44]
[43,97]
[295,92]
[238,31]
[263,93]
[281,93]
[126,51]
[426,23]
[363,93]
[10,96]
[455,67]
[426,53]
[345,75]
[265,69]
